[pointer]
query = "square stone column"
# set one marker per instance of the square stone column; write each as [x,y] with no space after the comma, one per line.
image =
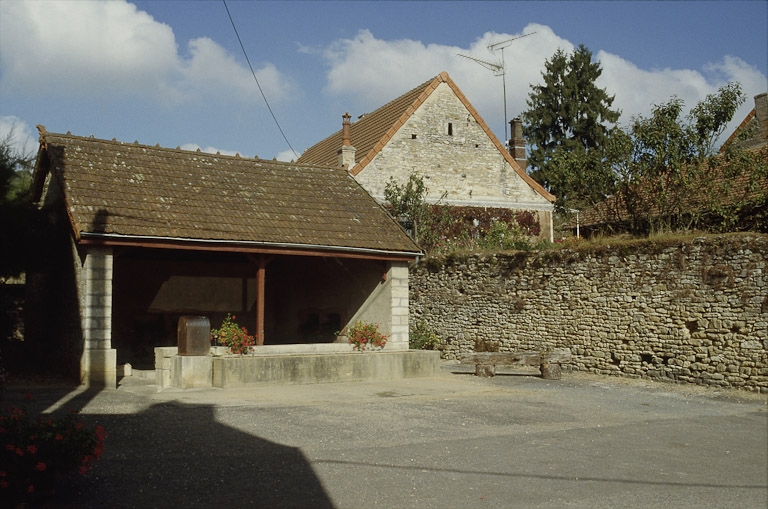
[398,279]
[98,365]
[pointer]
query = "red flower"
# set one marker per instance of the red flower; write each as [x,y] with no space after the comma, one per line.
[31,488]
[10,447]
[58,437]
[32,449]
[4,484]
[29,397]
[19,452]
[40,467]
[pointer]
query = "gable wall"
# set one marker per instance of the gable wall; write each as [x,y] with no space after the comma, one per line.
[466,163]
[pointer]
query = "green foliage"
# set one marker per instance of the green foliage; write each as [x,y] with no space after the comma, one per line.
[502,235]
[567,125]
[442,229]
[232,335]
[16,215]
[671,178]
[408,202]
[364,336]
[15,171]
[421,337]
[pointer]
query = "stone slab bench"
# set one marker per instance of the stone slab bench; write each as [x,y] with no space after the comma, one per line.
[550,363]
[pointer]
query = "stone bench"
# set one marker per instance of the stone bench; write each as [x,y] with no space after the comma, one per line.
[550,363]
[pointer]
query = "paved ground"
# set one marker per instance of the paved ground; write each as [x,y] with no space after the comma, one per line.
[448,441]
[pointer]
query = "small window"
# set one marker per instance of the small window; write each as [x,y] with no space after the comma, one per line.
[450,129]
[413,136]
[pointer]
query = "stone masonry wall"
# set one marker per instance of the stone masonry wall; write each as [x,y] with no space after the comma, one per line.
[692,312]
[460,164]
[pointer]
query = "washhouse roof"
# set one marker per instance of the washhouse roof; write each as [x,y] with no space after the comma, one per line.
[128,193]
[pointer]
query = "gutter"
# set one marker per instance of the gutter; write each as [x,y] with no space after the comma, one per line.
[244,246]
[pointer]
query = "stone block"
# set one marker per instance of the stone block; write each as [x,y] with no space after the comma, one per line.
[191,371]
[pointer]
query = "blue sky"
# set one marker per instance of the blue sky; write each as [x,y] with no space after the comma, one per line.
[173,73]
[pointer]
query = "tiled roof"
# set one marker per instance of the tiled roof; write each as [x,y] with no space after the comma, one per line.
[368,130]
[122,190]
[373,131]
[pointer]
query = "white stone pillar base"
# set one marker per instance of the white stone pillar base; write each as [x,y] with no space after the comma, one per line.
[98,368]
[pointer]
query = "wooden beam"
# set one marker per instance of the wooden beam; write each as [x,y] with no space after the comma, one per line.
[517,358]
[261,273]
[224,247]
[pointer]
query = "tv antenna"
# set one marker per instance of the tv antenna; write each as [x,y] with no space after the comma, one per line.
[499,70]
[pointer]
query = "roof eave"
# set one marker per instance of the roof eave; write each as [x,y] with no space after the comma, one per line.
[252,247]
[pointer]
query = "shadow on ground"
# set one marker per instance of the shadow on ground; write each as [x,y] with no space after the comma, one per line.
[178,454]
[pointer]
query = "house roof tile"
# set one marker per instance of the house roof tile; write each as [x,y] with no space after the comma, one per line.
[129,190]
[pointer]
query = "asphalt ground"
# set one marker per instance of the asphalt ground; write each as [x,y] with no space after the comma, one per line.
[450,441]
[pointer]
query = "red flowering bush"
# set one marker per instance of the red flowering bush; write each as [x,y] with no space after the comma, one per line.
[36,449]
[366,335]
[233,335]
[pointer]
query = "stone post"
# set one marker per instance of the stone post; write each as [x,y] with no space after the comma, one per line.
[398,279]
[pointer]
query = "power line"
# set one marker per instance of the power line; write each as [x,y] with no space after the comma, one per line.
[257,80]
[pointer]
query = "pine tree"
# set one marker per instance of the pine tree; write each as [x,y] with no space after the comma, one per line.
[567,125]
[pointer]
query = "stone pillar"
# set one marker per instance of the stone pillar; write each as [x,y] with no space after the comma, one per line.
[98,364]
[398,279]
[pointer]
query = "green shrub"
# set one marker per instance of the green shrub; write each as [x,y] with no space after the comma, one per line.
[421,337]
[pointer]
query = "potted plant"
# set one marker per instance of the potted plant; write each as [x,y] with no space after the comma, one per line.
[366,336]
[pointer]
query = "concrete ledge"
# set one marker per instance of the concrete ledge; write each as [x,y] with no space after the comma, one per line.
[239,371]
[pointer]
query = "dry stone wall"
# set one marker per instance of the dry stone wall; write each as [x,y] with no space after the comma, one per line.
[692,311]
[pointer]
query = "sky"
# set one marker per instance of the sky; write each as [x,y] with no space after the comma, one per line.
[174,73]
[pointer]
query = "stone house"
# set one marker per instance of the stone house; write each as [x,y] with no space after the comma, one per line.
[141,235]
[435,132]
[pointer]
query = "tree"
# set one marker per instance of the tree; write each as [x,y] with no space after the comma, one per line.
[15,212]
[567,124]
[672,177]
[408,202]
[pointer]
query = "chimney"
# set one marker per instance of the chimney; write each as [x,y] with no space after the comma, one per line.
[347,151]
[517,143]
[761,112]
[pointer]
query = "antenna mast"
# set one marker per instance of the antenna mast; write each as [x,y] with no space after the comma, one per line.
[499,70]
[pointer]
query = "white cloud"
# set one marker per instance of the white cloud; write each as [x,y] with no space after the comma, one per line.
[286,156]
[637,90]
[193,147]
[374,71]
[370,71]
[23,139]
[106,49]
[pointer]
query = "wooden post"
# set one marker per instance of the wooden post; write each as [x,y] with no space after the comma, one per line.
[260,276]
[550,371]
[485,370]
